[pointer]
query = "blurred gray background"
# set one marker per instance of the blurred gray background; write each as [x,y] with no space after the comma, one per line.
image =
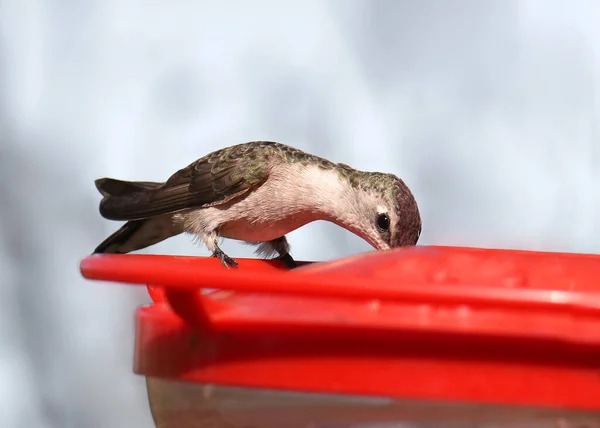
[487,109]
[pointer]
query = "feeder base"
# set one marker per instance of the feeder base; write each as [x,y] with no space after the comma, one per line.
[176,404]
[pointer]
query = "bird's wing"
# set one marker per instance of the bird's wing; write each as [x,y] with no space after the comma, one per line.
[210,181]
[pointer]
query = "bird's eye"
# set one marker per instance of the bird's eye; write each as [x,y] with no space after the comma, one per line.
[383,222]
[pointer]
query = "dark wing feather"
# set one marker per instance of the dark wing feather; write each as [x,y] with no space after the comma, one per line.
[210,181]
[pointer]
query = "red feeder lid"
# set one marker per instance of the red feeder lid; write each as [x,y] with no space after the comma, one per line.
[438,323]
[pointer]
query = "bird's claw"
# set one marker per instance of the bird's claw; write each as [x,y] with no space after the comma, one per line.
[288,260]
[225,259]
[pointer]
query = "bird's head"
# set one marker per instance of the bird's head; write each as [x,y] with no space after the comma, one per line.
[385,211]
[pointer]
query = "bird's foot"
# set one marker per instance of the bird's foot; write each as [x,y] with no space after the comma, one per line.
[225,259]
[288,260]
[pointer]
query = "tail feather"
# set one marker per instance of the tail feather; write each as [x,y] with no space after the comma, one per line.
[139,234]
[114,187]
[122,199]
[116,243]
[136,234]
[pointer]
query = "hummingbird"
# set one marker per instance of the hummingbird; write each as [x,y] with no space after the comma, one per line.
[258,192]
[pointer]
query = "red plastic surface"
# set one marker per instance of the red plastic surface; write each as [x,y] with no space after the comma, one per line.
[454,324]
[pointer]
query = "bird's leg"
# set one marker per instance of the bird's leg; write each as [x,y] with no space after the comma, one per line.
[225,259]
[288,260]
[279,246]
[283,248]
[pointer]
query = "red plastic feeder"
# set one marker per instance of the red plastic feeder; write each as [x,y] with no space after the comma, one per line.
[420,337]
